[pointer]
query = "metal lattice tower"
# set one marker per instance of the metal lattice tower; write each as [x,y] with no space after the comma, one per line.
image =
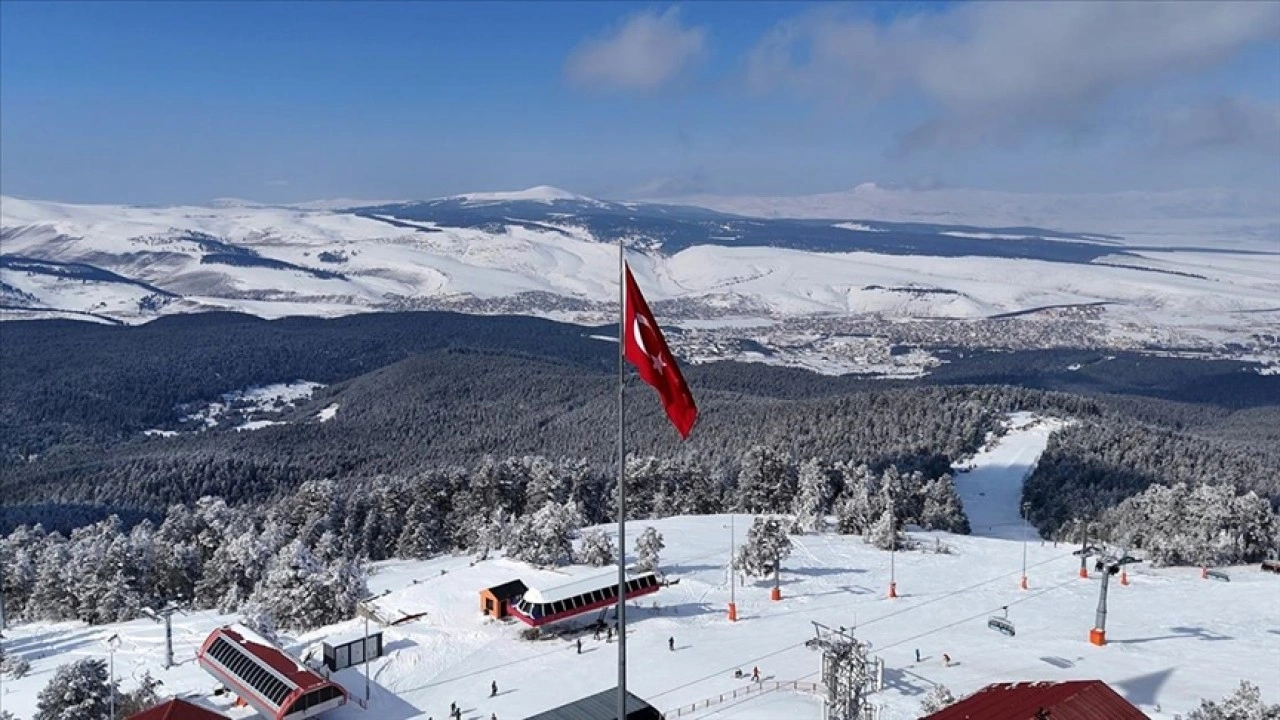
[849,673]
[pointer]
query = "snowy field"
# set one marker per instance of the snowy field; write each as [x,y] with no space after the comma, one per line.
[1174,638]
[1177,298]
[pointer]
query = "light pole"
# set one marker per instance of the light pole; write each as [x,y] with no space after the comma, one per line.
[364,610]
[1025,531]
[112,643]
[733,578]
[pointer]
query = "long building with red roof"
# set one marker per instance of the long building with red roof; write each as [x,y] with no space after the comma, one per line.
[270,680]
[1074,700]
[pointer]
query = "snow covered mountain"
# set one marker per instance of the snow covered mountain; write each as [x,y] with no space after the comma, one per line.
[548,252]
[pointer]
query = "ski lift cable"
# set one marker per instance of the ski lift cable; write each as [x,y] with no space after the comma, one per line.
[940,598]
[980,615]
[962,621]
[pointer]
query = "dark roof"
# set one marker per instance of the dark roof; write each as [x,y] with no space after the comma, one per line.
[601,706]
[508,590]
[1075,700]
[176,709]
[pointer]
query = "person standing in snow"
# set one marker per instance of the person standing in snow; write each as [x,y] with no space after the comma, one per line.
[493,689]
[579,646]
[917,654]
[671,644]
[946,660]
[755,674]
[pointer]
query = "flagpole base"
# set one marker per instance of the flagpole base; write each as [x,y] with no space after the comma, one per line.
[1084,574]
[1023,583]
[1098,637]
[733,612]
[893,589]
[775,594]
[1124,578]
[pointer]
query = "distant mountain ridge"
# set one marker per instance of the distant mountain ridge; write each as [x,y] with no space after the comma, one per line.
[552,253]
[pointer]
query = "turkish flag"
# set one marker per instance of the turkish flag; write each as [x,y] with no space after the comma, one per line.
[644,347]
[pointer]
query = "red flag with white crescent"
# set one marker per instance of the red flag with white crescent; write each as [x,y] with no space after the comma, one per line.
[644,347]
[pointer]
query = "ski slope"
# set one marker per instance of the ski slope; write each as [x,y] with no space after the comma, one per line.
[992,490]
[1174,638]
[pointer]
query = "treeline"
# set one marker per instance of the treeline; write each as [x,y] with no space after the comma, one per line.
[296,562]
[1095,463]
[1205,525]
[451,408]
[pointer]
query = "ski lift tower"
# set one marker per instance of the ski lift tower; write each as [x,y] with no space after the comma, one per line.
[1085,552]
[164,615]
[1108,564]
[849,673]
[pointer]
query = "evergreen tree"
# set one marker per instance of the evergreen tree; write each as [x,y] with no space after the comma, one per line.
[52,597]
[595,549]
[140,699]
[854,512]
[884,533]
[813,496]
[648,547]
[766,481]
[78,691]
[1244,704]
[938,698]
[546,537]
[767,545]
[942,508]
[423,534]
[301,594]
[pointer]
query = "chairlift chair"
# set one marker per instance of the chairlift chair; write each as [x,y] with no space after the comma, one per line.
[1002,625]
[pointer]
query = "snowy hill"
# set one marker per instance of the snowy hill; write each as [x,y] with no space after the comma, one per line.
[548,252]
[1174,638]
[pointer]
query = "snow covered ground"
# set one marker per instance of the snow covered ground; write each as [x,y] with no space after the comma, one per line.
[992,490]
[1174,638]
[335,263]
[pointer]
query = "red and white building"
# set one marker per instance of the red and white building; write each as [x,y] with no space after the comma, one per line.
[267,678]
[1073,700]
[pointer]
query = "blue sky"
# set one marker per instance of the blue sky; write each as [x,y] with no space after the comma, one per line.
[152,102]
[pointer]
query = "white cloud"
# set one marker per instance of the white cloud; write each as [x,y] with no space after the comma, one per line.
[991,70]
[642,53]
[1222,122]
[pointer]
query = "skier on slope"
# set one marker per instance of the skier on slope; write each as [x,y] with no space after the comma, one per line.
[671,643]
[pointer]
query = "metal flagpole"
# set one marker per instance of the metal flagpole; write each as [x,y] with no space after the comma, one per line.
[622,490]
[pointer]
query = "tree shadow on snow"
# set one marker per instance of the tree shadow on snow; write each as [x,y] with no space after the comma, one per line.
[1177,633]
[689,569]
[1142,690]
[399,644]
[821,571]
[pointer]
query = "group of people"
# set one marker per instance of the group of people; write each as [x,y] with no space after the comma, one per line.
[455,710]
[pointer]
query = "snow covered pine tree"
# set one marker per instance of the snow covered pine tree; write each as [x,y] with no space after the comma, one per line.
[648,545]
